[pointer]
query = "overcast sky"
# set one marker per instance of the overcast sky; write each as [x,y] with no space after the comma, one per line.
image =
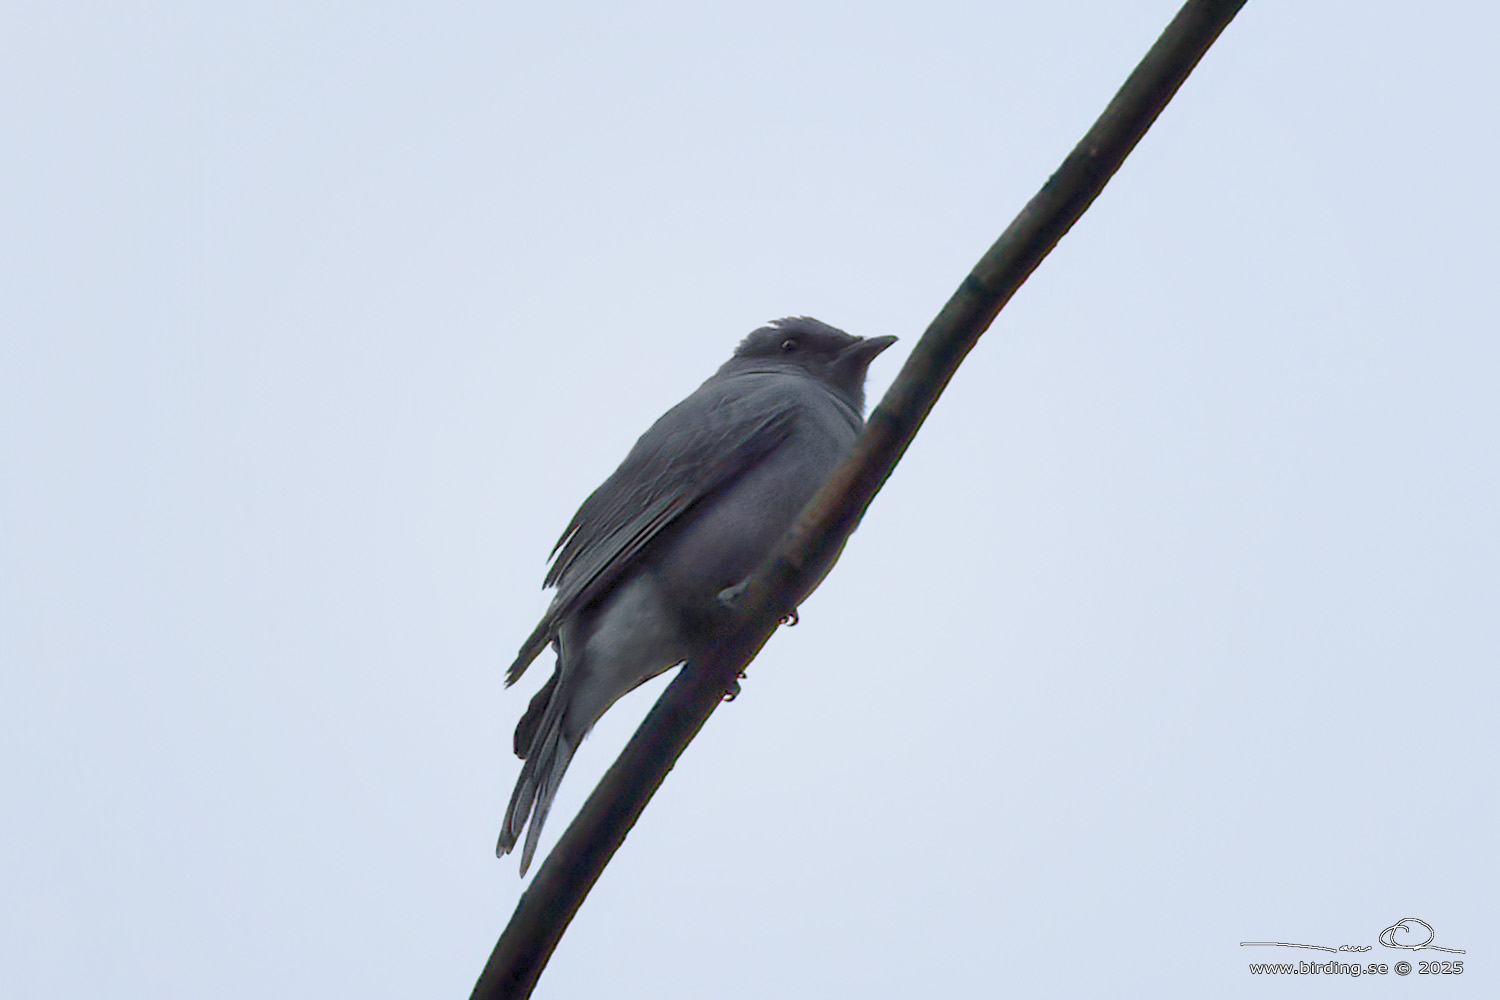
[1177,626]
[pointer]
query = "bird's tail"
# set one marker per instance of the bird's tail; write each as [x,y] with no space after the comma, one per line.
[547,759]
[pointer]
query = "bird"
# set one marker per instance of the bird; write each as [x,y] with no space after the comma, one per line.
[647,564]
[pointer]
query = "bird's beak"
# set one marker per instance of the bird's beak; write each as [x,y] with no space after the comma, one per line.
[864,349]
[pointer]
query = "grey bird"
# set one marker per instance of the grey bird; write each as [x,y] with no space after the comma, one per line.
[644,568]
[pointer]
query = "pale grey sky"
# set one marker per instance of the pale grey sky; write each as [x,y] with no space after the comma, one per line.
[1176,627]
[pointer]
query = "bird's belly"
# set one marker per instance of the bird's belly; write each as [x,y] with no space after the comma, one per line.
[726,537]
[634,635]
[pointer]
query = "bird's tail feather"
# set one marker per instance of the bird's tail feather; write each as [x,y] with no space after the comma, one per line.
[546,762]
[562,756]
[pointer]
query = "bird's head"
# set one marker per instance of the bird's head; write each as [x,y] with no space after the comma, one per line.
[827,354]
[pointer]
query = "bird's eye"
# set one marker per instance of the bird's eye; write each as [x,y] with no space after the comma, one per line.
[789,344]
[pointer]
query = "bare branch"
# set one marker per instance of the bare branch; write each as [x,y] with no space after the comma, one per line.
[801,558]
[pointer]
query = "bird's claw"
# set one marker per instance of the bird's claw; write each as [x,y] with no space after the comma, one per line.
[733,691]
[729,595]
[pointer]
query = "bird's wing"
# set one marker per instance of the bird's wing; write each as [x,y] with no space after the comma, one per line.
[694,450]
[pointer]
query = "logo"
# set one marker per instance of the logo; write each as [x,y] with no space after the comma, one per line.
[1403,935]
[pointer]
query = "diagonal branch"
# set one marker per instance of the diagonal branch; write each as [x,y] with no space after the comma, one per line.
[809,548]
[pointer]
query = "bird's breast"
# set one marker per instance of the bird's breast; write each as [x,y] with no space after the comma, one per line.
[726,535]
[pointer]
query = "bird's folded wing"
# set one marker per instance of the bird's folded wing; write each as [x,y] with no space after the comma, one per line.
[683,458]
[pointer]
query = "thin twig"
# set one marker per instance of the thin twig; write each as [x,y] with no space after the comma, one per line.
[803,555]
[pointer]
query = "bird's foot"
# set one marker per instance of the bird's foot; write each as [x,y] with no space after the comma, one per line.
[729,595]
[733,691]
